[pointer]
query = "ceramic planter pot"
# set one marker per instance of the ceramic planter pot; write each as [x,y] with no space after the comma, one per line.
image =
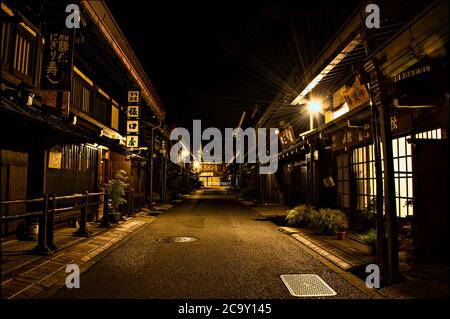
[32,230]
[114,217]
[340,235]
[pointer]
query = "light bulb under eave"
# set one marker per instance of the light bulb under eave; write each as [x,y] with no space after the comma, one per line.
[314,107]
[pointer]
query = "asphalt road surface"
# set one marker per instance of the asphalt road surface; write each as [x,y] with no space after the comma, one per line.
[237,255]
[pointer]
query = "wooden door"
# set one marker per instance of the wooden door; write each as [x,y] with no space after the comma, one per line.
[431,179]
[14,167]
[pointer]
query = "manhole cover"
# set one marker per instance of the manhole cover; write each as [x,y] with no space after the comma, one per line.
[307,285]
[176,239]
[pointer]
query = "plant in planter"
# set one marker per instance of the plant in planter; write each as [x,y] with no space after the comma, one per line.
[116,191]
[369,212]
[300,216]
[330,221]
[370,238]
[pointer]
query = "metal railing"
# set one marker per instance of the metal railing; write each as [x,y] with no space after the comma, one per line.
[50,211]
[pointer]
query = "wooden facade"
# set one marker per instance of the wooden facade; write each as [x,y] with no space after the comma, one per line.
[68,139]
[377,94]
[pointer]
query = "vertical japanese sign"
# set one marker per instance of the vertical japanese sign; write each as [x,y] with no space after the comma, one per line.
[356,95]
[58,60]
[133,115]
[287,137]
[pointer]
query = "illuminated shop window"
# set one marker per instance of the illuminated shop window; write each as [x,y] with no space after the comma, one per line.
[403,176]
[432,134]
[403,171]
[363,168]
[342,182]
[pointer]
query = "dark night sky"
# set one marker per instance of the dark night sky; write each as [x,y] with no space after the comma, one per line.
[210,60]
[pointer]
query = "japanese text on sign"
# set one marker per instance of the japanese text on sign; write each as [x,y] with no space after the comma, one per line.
[58,61]
[133,97]
[132,141]
[132,126]
[356,95]
[133,111]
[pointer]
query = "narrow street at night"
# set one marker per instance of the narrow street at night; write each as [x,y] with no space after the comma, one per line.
[224,158]
[237,255]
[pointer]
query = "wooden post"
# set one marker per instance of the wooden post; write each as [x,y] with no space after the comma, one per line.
[389,196]
[50,224]
[82,231]
[381,112]
[105,222]
[379,218]
[41,247]
[131,206]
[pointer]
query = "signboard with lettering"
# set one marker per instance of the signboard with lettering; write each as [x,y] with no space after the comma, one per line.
[133,111]
[132,126]
[134,97]
[133,115]
[132,141]
[54,159]
[350,137]
[400,121]
[287,137]
[356,95]
[58,60]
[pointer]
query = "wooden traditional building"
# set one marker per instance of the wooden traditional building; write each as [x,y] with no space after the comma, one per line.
[381,137]
[65,102]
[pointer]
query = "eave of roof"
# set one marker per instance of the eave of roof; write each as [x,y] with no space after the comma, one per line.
[106,23]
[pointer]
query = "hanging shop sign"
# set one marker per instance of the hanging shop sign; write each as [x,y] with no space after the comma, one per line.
[55,158]
[356,95]
[58,60]
[400,121]
[350,137]
[132,126]
[133,115]
[134,97]
[132,141]
[133,111]
[287,137]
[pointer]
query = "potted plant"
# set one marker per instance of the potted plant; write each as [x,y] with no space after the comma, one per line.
[370,213]
[330,221]
[116,191]
[300,216]
[370,238]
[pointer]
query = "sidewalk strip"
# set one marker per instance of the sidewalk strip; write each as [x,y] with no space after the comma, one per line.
[49,271]
[334,259]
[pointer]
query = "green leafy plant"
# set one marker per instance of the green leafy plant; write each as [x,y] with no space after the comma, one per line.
[300,215]
[116,188]
[370,211]
[370,237]
[329,221]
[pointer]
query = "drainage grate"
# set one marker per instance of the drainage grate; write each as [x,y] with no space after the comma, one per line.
[176,239]
[307,285]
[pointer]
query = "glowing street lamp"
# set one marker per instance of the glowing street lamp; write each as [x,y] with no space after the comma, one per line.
[314,107]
